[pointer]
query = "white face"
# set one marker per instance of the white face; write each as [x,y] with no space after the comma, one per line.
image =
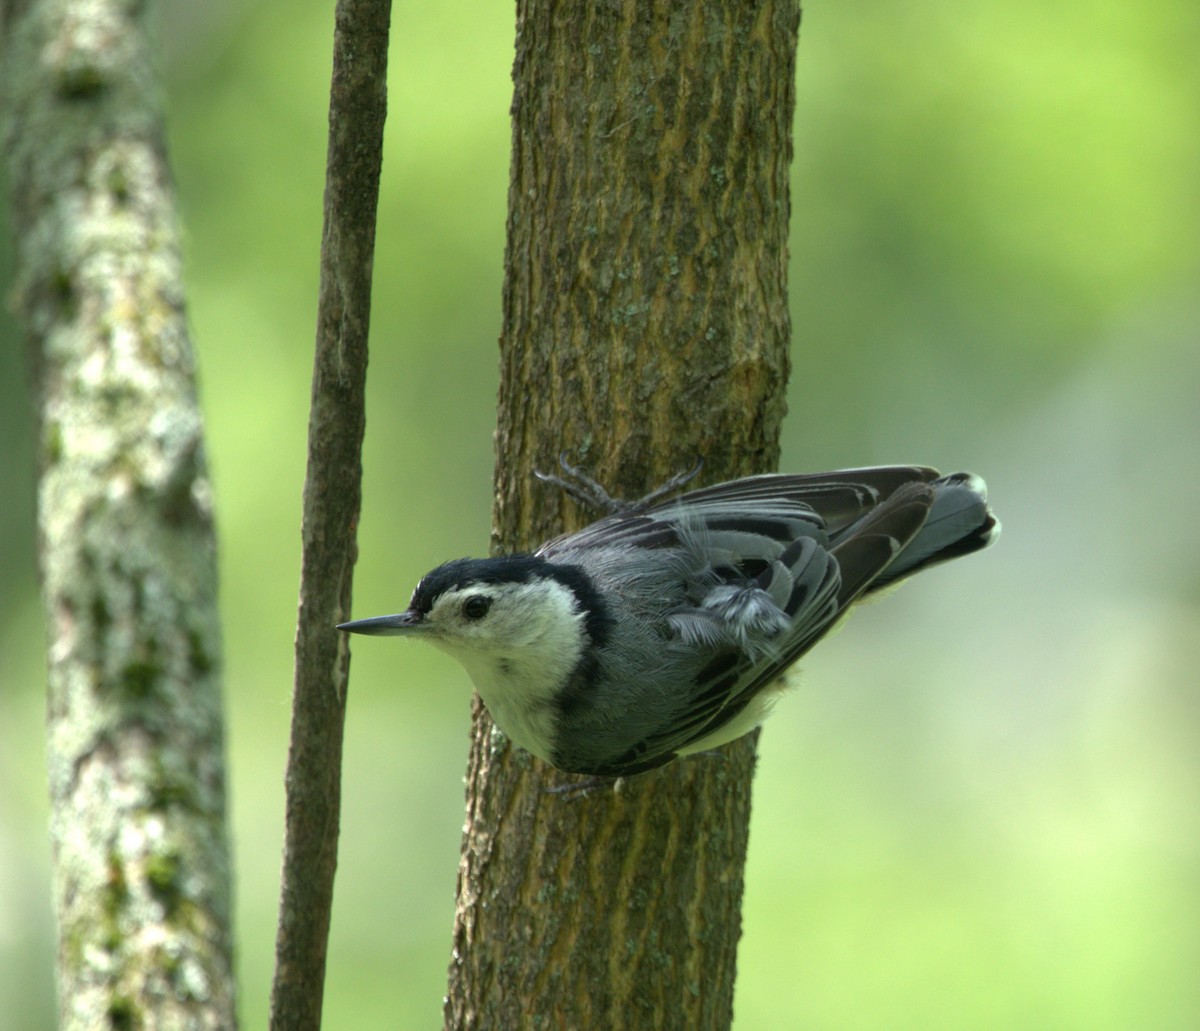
[519,643]
[503,618]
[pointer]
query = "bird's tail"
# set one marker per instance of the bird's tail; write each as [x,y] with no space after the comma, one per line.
[959,522]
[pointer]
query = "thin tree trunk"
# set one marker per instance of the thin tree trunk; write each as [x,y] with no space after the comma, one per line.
[645,322]
[126,537]
[332,495]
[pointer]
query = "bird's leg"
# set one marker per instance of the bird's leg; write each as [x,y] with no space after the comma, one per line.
[672,485]
[579,486]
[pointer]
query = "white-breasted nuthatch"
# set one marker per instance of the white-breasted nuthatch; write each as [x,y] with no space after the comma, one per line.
[665,628]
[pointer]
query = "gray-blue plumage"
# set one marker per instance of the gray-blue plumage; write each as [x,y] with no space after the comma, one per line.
[659,632]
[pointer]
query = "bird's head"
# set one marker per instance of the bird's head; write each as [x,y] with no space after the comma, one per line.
[473,608]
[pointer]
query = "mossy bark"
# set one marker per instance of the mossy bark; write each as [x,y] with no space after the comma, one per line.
[645,322]
[127,544]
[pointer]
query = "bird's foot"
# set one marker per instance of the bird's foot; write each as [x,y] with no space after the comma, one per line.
[584,490]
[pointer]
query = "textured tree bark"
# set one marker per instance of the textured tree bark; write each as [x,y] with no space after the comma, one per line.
[127,544]
[645,322]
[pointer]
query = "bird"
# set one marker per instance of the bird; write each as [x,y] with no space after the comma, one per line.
[665,628]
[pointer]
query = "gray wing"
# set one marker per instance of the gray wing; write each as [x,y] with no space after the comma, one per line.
[829,501]
[782,557]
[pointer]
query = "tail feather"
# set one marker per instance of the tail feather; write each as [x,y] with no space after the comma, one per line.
[959,522]
[872,546]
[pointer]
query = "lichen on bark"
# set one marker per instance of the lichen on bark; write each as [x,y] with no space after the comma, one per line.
[126,543]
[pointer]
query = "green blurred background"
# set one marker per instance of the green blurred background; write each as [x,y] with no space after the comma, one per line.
[979,809]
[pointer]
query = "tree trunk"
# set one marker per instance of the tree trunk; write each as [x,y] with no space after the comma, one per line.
[332,497]
[127,545]
[645,322]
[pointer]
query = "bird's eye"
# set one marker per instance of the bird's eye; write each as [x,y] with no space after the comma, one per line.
[476,606]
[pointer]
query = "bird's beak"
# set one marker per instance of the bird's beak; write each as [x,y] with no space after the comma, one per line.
[407,622]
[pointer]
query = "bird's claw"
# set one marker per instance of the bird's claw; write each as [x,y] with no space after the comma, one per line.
[584,490]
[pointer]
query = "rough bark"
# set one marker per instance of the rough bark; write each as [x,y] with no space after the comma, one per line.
[126,537]
[332,496]
[645,322]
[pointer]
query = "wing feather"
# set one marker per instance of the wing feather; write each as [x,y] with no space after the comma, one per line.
[782,559]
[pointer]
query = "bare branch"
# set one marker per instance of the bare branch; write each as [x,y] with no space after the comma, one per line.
[358,105]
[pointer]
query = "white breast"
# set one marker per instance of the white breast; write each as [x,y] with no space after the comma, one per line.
[519,674]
